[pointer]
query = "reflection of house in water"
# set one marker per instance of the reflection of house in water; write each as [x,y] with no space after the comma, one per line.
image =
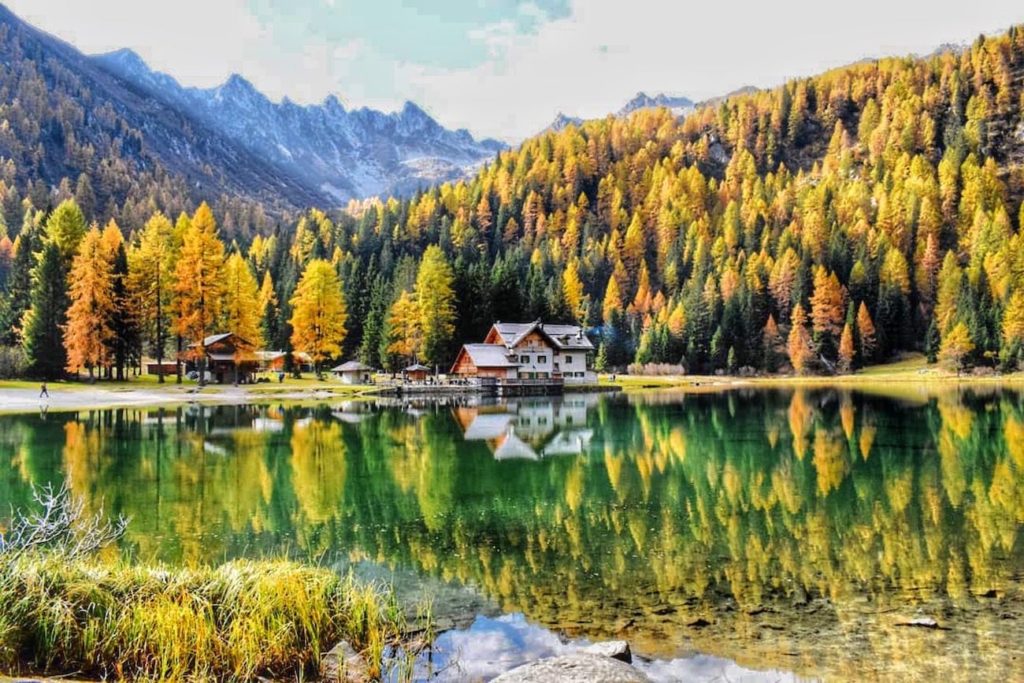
[530,429]
[352,412]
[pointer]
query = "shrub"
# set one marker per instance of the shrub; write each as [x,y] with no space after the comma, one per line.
[13,363]
[656,369]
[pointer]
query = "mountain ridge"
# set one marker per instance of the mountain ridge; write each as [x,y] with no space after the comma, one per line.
[348,154]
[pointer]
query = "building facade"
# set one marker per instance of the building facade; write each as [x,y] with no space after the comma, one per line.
[529,351]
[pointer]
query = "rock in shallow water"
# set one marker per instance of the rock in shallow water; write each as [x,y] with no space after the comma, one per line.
[579,667]
[616,649]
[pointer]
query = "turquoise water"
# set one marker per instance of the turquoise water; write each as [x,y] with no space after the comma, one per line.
[794,532]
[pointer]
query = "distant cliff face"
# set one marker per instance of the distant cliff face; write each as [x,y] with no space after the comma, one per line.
[341,154]
[680,106]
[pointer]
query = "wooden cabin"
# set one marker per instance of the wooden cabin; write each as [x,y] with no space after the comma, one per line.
[485,360]
[226,357]
[416,373]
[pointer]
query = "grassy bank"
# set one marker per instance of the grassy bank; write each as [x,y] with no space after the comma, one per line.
[239,621]
[910,371]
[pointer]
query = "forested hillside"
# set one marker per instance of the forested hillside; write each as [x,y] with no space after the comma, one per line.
[825,224]
[829,223]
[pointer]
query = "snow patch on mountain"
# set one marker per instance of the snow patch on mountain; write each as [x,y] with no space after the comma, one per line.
[348,154]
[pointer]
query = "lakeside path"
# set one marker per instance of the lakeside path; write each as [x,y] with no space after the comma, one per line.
[910,378]
[23,396]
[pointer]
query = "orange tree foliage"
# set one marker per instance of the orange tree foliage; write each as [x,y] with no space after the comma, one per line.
[801,354]
[88,333]
[199,281]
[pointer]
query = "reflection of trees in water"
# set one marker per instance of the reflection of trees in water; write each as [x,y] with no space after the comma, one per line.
[677,510]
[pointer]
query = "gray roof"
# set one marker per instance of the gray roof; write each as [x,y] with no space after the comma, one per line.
[214,338]
[563,337]
[417,367]
[512,332]
[352,366]
[567,337]
[489,356]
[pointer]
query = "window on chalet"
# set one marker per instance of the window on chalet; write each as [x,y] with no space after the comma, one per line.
[568,360]
[542,359]
[524,359]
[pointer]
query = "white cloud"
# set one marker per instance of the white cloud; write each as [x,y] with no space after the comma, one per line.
[497,37]
[593,61]
[586,64]
[200,42]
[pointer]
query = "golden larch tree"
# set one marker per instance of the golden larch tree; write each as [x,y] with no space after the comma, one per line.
[150,280]
[435,296]
[318,313]
[88,333]
[956,347]
[406,333]
[1013,319]
[199,281]
[572,289]
[828,308]
[241,309]
[799,342]
[866,333]
[612,300]
[846,350]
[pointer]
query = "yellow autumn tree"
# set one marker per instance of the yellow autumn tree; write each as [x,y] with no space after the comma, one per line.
[150,280]
[241,309]
[866,333]
[199,281]
[406,333]
[612,300]
[319,313]
[88,333]
[435,297]
[846,350]
[799,342]
[956,347]
[828,307]
[572,289]
[1013,319]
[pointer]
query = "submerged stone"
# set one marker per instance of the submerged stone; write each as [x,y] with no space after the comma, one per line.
[616,649]
[579,667]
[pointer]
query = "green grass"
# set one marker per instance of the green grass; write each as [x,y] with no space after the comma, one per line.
[236,622]
[911,370]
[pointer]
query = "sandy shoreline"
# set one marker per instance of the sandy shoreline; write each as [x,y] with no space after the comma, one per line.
[15,400]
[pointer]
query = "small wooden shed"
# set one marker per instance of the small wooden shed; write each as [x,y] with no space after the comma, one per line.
[353,372]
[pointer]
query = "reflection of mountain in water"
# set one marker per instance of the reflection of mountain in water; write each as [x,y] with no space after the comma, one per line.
[530,429]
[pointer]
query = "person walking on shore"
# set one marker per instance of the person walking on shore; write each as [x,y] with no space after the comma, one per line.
[43,393]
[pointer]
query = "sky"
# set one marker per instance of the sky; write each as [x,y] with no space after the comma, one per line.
[505,68]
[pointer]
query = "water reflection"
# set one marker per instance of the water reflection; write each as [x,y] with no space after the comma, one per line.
[491,646]
[798,531]
[529,429]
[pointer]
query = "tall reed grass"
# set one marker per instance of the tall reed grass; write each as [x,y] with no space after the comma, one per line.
[236,622]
